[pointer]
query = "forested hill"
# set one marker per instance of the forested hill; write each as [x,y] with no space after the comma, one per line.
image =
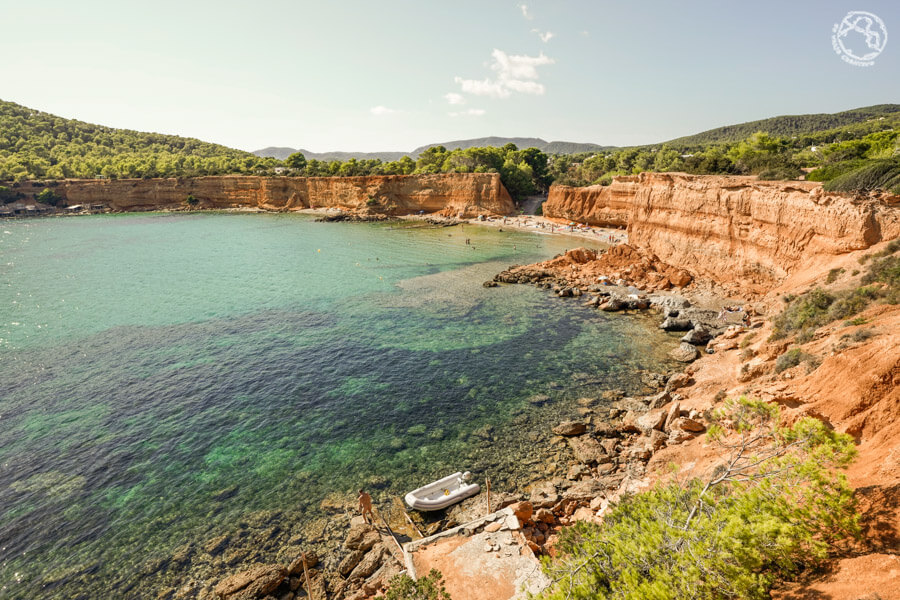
[497,142]
[38,145]
[788,125]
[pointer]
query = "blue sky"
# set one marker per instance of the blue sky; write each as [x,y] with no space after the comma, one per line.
[393,75]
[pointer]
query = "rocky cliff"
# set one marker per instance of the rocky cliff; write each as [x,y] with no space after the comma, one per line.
[731,229]
[454,194]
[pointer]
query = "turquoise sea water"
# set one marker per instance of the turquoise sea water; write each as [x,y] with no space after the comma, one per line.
[164,377]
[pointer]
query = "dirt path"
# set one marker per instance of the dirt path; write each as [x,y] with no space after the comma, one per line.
[531,203]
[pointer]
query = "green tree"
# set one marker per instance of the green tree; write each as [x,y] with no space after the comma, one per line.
[295,161]
[48,196]
[773,504]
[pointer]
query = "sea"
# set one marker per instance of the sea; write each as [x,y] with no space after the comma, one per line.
[167,379]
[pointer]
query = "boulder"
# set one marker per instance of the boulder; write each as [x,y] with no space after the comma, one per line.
[680,278]
[697,336]
[585,490]
[657,439]
[569,428]
[658,400]
[544,495]
[654,419]
[576,472]
[587,450]
[614,304]
[296,567]
[544,516]
[370,563]
[349,562]
[523,510]
[685,353]
[687,424]
[676,324]
[361,536]
[255,582]
[674,413]
[678,381]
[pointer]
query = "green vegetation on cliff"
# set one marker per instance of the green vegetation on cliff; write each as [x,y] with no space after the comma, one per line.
[853,150]
[38,145]
[776,504]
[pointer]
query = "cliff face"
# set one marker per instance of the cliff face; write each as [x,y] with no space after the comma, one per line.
[599,205]
[731,228]
[465,194]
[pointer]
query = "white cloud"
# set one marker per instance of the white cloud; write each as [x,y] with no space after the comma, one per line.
[380,111]
[515,73]
[484,87]
[545,36]
[472,112]
[525,13]
[454,98]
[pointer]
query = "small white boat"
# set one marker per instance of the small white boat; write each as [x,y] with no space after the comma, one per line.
[443,492]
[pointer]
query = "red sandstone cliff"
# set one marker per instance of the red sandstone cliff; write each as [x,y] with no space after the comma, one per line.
[466,194]
[731,228]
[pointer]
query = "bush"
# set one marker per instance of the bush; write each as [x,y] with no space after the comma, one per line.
[191,200]
[833,274]
[873,175]
[430,587]
[810,310]
[780,174]
[774,505]
[372,202]
[48,196]
[792,358]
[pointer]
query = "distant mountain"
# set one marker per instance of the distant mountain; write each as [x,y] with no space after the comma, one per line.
[544,146]
[282,153]
[788,125]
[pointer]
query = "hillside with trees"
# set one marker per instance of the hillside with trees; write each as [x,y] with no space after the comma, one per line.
[863,153]
[788,125]
[38,145]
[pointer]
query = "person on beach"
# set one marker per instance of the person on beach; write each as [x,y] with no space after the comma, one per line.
[365,507]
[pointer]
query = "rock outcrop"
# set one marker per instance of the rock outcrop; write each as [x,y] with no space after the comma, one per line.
[453,194]
[729,228]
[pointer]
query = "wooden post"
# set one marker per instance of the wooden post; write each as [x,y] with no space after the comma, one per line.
[393,537]
[309,591]
[487,481]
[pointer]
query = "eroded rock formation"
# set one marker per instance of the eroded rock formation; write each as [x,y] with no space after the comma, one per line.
[731,228]
[453,194]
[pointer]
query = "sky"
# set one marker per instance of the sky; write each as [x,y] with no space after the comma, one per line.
[396,74]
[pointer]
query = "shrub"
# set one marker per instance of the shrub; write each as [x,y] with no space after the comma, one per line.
[372,202]
[877,174]
[794,357]
[774,505]
[810,310]
[191,200]
[429,587]
[861,335]
[856,321]
[780,174]
[833,274]
[48,196]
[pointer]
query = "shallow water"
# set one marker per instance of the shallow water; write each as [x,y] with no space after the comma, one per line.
[164,377]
